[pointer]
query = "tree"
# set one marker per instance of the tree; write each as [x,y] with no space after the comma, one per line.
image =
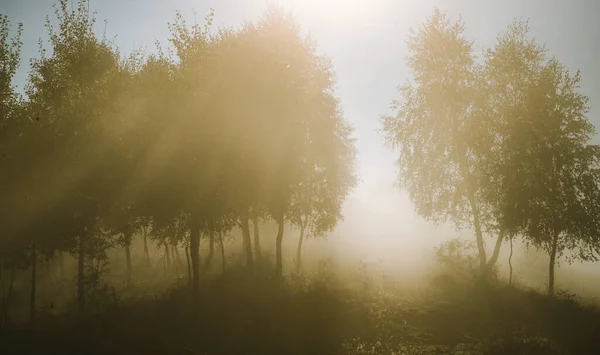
[510,68]
[542,178]
[10,58]
[558,198]
[70,95]
[191,160]
[299,125]
[317,201]
[256,216]
[438,130]
[11,114]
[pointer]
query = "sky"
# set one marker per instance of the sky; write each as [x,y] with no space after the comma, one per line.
[365,39]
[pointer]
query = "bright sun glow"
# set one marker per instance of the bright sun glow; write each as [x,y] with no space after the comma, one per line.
[335,11]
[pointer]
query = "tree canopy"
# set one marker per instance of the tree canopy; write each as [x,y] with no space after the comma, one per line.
[499,144]
[233,122]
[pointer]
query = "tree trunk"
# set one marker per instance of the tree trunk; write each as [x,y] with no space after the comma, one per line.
[50,270]
[129,268]
[61,265]
[195,256]
[167,255]
[146,254]
[222,251]
[257,251]
[243,255]
[211,248]
[551,265]
[7,295]
[248,244]
[1,283]
[33,283]
[510,275]
[278,251]
[189,266]
[299,250]
[478,236]
[496,253]
[175,251]
[164,263]
[80,274]
[2,293]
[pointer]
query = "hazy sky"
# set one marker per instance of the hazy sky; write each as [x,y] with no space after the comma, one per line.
[366,41]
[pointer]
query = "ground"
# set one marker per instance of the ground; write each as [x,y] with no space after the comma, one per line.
[322,315]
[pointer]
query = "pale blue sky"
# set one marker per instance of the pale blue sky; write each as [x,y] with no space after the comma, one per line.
[367,46]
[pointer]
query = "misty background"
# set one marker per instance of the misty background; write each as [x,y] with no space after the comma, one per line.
[366,42]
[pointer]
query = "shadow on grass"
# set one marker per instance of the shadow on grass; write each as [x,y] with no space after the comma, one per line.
[237,315]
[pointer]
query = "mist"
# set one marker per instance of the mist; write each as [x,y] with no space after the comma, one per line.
[298,177]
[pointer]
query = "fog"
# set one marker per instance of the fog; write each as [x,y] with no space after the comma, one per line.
[299,177]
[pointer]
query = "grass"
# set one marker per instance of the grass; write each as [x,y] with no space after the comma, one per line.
[237,315]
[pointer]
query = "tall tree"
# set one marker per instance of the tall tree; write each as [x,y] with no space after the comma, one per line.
[542,175]
[317,201]
[10,162]
[70,95]
[558,199]
[438,130]
[510,69]
[301,128]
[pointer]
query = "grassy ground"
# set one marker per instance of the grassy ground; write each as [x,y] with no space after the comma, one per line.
[237,315]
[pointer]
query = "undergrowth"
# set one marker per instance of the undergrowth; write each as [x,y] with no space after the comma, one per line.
[322,314]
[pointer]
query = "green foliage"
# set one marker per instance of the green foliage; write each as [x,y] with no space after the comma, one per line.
[457,257]
[499,145]
[439,131]
[543,173]
[100,295]
[10,116]
[107,145]
[10,58]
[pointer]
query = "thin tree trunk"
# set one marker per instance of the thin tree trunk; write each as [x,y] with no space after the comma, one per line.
[146,253]
[278,249]
[50,270]
[299,250]
[195,256]
[496,253]
[128,263]
[211,248]
[129,270]
[177,256]
[11,288]
[33,283]
[167,255]
[257,251]
[478,236]
[222,251]
[2,294]
[551,265]
[8,295]
[1,282]
[510,275]
[80,274]
[243,255]
[248,244]
[164,263]
[61,265]
[189,266]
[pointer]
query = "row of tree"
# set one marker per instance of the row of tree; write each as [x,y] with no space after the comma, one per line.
[498,143]
[237,125]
